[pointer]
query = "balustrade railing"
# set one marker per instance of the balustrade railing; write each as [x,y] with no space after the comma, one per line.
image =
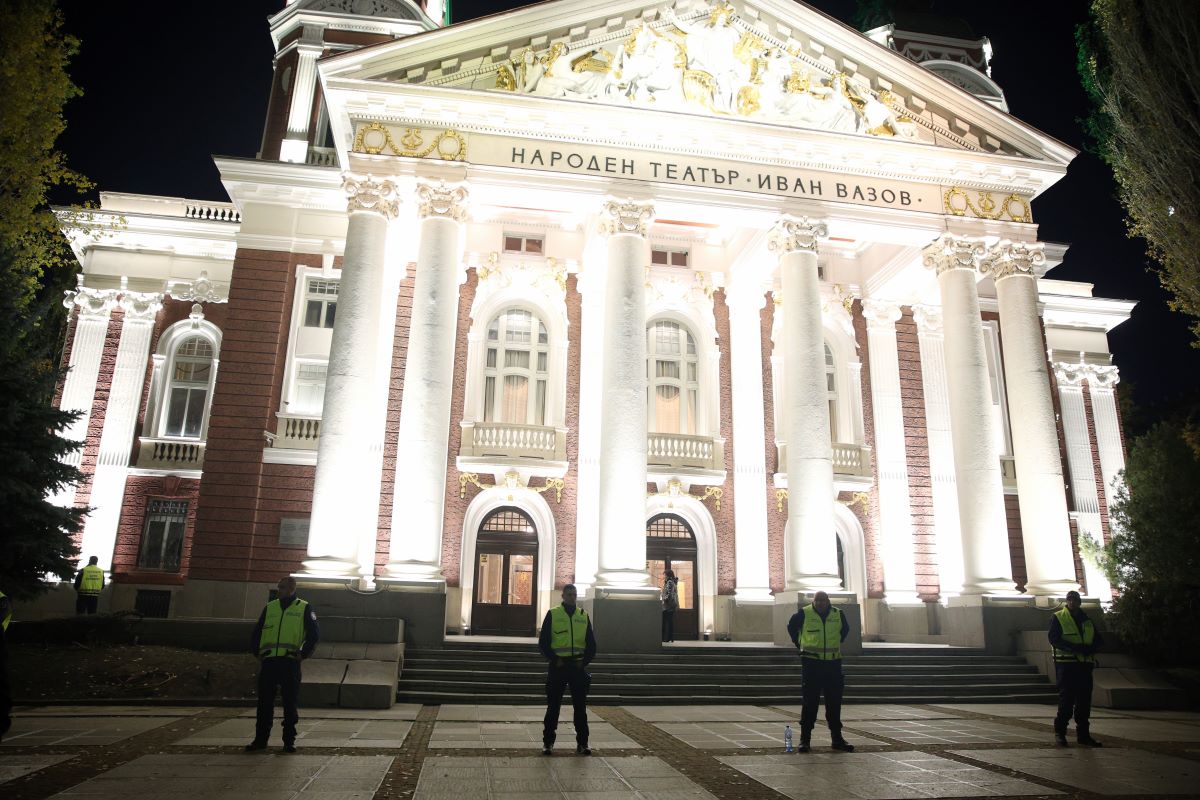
[682,450]
[510,440]
[848,459]
[170,454]
[219,212]
[297,432]
[321,157]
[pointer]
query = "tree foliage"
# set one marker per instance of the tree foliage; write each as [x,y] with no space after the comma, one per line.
[35,535]
[1154,558]
[1140,63]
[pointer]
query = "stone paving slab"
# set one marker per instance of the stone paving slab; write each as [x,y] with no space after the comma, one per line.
[729,735]
[1020,710]
[506,713]
[236,776]
[877,776]
[108,711]
[405,711]
[1188,717]
[89,731]
[1106,771]
[14,765]
[877,711]
[949,731]
[309,733]
[1146,730]
[538,778]
[656,714]
[523,735]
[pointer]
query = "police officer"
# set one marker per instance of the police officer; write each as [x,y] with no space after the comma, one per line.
[567,642]
[285,635]
[89,582]
[5,691]
[1075,641]
[818,630]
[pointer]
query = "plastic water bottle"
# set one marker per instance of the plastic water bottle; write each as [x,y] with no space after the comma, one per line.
[787,738]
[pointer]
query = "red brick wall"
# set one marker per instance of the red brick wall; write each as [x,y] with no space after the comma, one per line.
[1094,446]
[776,521]
[723,519]
[1016,546]
[870,519]
[567,513]
[391,435]
[456,507]
[916,445]
[139,491]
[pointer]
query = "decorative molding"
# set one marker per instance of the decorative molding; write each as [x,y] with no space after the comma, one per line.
[1008,259]
[675,489]
[1073,374]
[141,306]
[442,201]
[928,319]
[618,217]
[97,303]
[1103,377]
[365,193]
[374,137]
[1015,207]
[954,252]
[881,313]
[792,235]
[201,290]
[511,482]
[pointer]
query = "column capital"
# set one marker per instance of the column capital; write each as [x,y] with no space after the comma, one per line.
[928,318]
[1101,377]
[881,313]
[1008,259]
[368,193]
[91,302]
[796,234]
[954,252]
[1069,374]
[625,216]
[442,201]
[141,306]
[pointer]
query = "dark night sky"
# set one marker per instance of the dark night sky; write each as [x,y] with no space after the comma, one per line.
[167,85]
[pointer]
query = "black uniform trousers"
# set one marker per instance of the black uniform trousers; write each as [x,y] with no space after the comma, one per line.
[87,603]
[280,673]
[1074,697]
[558,679]
[668,625]
[821,677]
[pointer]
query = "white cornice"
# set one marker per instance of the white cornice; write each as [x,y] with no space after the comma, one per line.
[249,180]
[1096,313]
[124,230]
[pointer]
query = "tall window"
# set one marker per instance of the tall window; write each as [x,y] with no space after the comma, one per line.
[831,392]
[162,536]
[309,394]
[673,370]
[187,394]
[516,369]
[320,306]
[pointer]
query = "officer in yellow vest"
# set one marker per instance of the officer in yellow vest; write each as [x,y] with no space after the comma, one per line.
[5,691]
[567,642]
[285,635]
[1075,641]
[89,582]
[818,631]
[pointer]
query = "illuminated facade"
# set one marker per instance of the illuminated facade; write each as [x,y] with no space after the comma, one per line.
[581,293]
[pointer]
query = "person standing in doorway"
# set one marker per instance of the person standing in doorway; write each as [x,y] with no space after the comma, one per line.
[569,645]
[89,582]
[285,635]
[818,631]
[1075,641]
[670,601]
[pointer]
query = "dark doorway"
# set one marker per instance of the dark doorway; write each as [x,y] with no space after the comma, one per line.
[671,545]
[505,601]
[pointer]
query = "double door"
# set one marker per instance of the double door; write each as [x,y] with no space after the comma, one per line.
[505,601]
[687,617]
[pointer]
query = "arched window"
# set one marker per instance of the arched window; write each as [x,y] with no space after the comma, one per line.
[516,369]
[673,372]
[831,391]
[190,381]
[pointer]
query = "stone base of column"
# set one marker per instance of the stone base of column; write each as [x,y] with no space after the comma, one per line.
[753,596]
[293,150]
[752,622]
[414,573]
[903,600]
[788,603]
[623,580]
[1053,589]
[627,621]
[328,570]
[992,623]
[423,610]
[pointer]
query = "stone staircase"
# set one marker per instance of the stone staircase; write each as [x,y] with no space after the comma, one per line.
[480,672]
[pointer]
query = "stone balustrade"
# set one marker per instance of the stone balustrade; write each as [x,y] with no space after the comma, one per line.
[848,459]
[217,212]
[510,440]
[676,450]
[170,454]
[321,157]
[297,432]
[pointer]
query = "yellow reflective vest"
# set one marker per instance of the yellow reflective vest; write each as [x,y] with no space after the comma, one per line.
[1072,633]
[283,630]
[93,580]
[821,638]
[7,614]
[568,634]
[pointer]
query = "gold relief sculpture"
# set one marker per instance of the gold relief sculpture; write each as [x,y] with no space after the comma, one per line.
[1014,207]
[859,499]
[465,478]
[747,101]
[557,484]
[598,61]
[506,81]
[374,138]
[780,496]
[716,493]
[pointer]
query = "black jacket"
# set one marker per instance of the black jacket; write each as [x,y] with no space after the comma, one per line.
[312,634]
[589,651]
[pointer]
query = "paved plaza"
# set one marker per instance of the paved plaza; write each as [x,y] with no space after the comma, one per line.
[642,752]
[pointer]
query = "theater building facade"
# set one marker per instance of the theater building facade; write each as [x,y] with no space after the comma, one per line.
[582,293]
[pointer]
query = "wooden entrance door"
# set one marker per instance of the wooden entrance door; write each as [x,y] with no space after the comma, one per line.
[671,545]
[505,569]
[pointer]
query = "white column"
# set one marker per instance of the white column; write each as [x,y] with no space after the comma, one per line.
[1101,381]
[947,530]
[591,285]
[304,85]
[895,509]
[622,469]
[120,419]
[746,298]
[1041,491]
[810,545]
[346,489]
[987,568]
[419,496]
[79,388]
[1084,491]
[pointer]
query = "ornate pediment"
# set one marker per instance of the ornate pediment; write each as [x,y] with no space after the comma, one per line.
[386,9]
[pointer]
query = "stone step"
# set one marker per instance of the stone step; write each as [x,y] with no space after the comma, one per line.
[418,685]
[538,698]
[670,668]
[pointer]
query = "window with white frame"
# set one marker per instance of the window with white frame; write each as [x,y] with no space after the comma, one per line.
[320,304]
[190,379]
[673,372]
[162,535]
[520,243]
[308,388]
[667,256]
[516,369]
[831,391]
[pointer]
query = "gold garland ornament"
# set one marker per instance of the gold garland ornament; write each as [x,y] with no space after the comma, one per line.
[373,138]
[1015,207]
